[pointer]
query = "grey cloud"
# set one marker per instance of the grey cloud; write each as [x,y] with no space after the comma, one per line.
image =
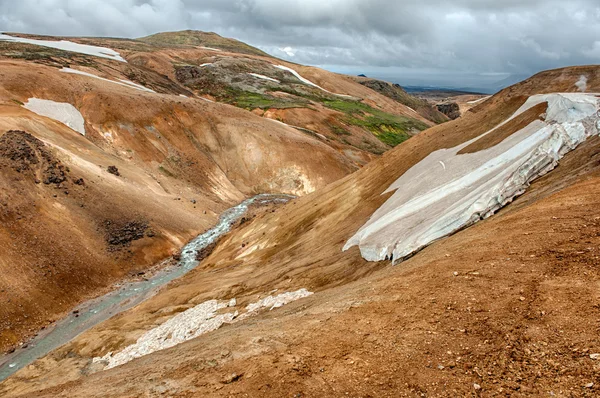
[433,38]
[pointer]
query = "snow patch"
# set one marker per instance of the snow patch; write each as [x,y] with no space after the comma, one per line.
[65,45]
[192,323]
[187,325]
[272,302]
[62,112]
[478,100]
[582,83]
[308,82]
[210,48]
[264,77]
[122,82]
[434,203]
[135,85]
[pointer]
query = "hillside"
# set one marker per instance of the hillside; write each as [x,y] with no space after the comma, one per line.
[109,163]
[505,307]
[357,122]
[197,38]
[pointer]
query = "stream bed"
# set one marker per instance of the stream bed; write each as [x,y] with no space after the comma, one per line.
[95,311]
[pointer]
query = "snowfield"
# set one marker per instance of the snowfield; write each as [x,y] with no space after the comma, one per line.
[187,325]
[447,191]
[308,82]
[122,82]
[62,112]
[264,77]
[65,45]
[192,323]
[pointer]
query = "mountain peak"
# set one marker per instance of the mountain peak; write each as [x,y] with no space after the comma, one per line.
[200,38]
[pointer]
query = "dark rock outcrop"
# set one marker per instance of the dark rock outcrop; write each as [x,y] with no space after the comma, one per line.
[450,109]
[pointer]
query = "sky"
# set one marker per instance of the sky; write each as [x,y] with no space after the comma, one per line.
[460,43]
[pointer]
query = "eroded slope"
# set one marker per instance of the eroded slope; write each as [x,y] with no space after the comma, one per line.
[515,280]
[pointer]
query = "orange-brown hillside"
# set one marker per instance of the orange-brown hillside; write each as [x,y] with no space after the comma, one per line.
[507,307]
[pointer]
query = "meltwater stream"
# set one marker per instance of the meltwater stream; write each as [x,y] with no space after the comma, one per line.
[127,296]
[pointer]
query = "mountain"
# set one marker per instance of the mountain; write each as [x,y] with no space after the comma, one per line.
[495,291]
[195,38]
[114,153]
[506,82]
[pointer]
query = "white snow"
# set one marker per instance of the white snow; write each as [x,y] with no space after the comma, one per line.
[306,81]
[264,77]
[62,112]
[135,85]
[207,64]
[125,83]
[478,100]
[192,323]
[582,83]
[430,203]
[187,325]
[65,45]
[272,302]
[210,48]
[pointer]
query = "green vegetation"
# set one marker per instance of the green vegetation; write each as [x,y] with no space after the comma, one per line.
[390,129]
[165,171]
[250,100]
[339,130]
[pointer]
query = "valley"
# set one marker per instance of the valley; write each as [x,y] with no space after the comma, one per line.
[185,215]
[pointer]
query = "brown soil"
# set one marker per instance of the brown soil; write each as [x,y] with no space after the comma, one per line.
[491,306]
[508,307]
[56,191]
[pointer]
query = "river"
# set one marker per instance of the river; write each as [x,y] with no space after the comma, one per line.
[95,311]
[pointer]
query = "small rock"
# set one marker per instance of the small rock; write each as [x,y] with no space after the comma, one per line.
[595,356]
[232,378]
[455,273]
[589,385]
[522,298]
[113,170]
[477,386]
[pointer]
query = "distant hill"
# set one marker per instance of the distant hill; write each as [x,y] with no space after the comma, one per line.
[203,39]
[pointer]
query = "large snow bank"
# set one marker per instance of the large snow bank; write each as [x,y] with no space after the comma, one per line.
[65,45]
[447,191]
[122,82]
[62,112]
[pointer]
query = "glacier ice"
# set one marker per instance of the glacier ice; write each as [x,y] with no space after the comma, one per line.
[447,191]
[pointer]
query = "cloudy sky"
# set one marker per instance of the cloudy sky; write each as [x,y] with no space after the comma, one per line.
[451,43]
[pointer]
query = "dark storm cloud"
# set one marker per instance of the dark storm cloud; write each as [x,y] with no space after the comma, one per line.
[430,38]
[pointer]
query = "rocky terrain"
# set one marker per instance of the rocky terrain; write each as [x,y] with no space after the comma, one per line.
[453,104]
[111,163]
[506,307]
